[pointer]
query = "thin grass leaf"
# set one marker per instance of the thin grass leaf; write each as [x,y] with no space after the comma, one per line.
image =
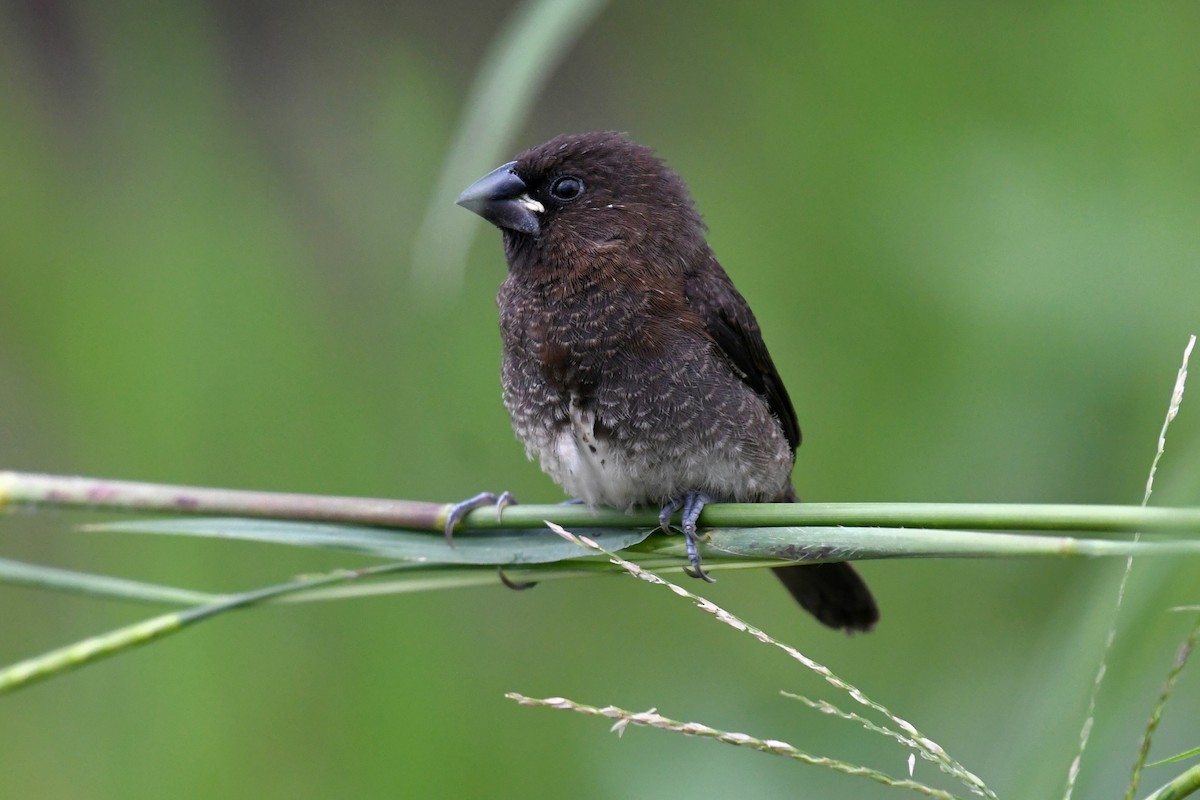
[422,578]
[56,662]
[64,659]
[37,576]
[1184,756]
[537,546]
[508,81]
[429,578]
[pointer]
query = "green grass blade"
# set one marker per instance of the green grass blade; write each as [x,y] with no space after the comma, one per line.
[844,544]
[94,648]
[1185,784]
[34,491]
[64,659]
[17,573]
[509,79]
[423,578]
[981,516]
[1184,756]
[538,546]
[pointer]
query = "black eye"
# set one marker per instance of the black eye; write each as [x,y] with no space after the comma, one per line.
[566,188]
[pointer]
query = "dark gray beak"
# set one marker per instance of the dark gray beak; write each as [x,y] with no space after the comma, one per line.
[502,199]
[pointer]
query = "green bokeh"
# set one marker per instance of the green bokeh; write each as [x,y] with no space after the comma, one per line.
[971,233]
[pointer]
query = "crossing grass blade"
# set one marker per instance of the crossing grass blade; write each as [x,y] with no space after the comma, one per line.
[37,576]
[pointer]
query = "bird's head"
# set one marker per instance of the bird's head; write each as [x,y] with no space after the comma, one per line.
[588,195]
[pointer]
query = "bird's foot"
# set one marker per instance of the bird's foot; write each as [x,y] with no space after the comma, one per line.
[520,586]
[692,504]
[516,586]
[460,510]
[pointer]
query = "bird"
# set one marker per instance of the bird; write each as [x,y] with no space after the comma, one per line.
[633,370]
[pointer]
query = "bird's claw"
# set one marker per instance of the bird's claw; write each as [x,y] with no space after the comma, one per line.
[692,504]
[664,516]
[460,510]
[516,586]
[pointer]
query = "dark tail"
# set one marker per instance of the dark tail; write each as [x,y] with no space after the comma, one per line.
[833,593]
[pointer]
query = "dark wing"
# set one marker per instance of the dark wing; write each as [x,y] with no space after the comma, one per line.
[731,324]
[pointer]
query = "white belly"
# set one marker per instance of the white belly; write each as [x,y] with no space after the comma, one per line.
[588,468]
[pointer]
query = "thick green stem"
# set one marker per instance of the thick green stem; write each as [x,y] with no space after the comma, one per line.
[26,489]
[19,489]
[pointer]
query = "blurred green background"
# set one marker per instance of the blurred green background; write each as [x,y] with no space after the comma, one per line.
[971,233]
